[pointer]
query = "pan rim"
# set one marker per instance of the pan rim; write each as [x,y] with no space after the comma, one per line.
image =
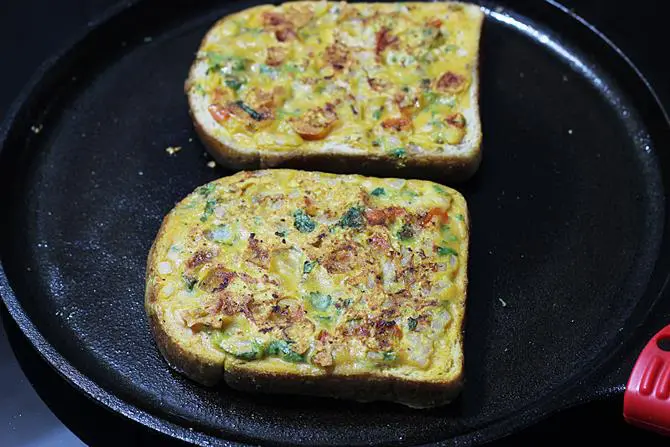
[521,418]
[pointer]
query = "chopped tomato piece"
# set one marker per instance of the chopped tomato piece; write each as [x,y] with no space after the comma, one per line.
[456,120]
[382,216]
[451,82]
[384,39]
[218,112]
[441,213]
[394,211]
[285,34]
[323,336]
[375,217]
[316,123]
[397,124]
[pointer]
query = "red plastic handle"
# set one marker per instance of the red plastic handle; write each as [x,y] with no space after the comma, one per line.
[646,402]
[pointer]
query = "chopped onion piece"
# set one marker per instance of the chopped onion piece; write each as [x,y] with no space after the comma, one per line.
[164,268]
[440,320]
[419,349]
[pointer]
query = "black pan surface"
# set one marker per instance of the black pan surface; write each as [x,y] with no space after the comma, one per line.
[567,260]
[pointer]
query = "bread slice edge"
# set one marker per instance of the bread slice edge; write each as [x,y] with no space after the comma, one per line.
[244,376]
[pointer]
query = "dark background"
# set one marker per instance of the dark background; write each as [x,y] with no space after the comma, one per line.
[32,30]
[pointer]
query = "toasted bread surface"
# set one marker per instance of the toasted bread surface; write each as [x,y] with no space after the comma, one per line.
[313,283]
[367,87]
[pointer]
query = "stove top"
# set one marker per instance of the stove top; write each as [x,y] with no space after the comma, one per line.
[25,420]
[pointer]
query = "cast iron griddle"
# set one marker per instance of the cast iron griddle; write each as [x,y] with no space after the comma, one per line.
[567,258]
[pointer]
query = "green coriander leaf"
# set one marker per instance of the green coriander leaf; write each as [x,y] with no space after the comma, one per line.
[431,97]
[208,211]
[282,349]
[444,251]
[189,282]
[406,232]
[353,218]
[390,356]
[291,68]
[308,266]
[218,61]
[233,83]
[411,323]
[302,222]
[320,301]
[207,189]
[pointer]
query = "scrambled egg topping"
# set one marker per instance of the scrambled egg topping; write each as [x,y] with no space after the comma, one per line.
[385,78]
[318,269]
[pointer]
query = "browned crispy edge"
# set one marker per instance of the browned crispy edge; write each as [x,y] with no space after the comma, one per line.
[360,387]
[180,359]
[425,166]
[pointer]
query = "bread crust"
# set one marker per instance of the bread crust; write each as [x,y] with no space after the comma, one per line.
[346,159]
[187,362]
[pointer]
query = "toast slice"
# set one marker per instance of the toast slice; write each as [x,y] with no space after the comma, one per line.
[376,88]
[287,281]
